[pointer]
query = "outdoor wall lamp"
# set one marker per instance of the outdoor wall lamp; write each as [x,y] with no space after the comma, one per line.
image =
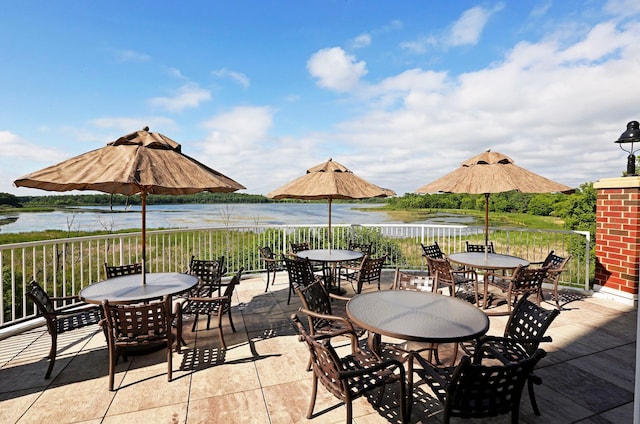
[631,135]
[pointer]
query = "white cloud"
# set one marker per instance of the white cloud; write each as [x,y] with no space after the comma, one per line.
[420,45]
[238,77]
[468,28]
[239,140]
[13,146]
[554,107]
[541,9]
[188,96]
[131,56]
[362,40]
[336,70]
[465,31]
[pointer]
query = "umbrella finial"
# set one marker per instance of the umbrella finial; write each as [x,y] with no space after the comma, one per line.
[146,128]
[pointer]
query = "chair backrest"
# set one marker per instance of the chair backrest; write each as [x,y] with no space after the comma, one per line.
[371,268]
[299,247]
[360,247]
[40,298]
[315,298]
[235,280]
[479,247]
[440,268]
[432,250]
[410,281]
[528,321]
[299,270]
[555,263]
[477,390]
[208,271]
[527,280]
[138,322]
[266,252]
[119,270]
[326,362]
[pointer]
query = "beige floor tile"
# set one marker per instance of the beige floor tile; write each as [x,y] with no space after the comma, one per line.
[240,407]
[148,388]
[228,378]
[16,403]
[174,414]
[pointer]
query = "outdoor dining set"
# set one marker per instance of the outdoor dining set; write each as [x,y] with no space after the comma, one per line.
[391,328]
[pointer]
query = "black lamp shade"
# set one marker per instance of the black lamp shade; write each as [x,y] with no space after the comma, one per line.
[631,135]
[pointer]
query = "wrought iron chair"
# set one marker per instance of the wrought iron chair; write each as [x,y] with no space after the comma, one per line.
[480,247]
[430,251]
[139,325]
[411,281]
[446,276]
[316,305]
[351,376]
[555,265]
[298,247]
[369,270]
[524,281]
[271,263]
[209,273]
[300,273]
[218,305]
[112,271]
[318,267]
[60,320]
[522,336]
[476,390]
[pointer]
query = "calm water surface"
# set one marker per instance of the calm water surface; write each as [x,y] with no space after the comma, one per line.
[194,216]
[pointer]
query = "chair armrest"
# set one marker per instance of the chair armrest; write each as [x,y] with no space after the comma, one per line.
[387,363]
[207,299]
[345,321]
[466,272]
[57,298]
[338,297]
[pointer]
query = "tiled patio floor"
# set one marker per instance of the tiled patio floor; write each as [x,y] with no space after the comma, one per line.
[588,374]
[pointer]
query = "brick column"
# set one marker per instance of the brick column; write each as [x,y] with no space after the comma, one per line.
[618,239]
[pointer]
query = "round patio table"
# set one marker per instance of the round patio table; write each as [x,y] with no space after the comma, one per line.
[417,316]
[330,258]
[129,288]
[487,262]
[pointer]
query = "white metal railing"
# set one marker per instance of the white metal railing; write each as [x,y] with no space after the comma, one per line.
[65,266]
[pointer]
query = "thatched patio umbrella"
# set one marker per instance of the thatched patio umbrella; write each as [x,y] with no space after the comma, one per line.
[329,180]
[141,162]
[492,172]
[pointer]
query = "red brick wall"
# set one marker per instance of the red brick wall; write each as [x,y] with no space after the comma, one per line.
[618,238]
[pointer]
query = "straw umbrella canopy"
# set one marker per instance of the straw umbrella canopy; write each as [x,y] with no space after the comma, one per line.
[492,172]
[141,162]
[329,180]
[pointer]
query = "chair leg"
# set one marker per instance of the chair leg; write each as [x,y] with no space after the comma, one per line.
[112,365]
[268,275]
[170,358]
[195,323]
[220,333]
[233,328]
[290,290]
[532,396]
[314,392]
[52,352]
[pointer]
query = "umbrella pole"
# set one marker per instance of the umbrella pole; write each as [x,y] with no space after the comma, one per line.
[329,223]
[143,197]
[486,224]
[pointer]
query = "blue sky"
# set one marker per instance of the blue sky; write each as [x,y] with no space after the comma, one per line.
[400,92]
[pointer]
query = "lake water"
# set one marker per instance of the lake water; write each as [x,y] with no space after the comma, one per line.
[195,216]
